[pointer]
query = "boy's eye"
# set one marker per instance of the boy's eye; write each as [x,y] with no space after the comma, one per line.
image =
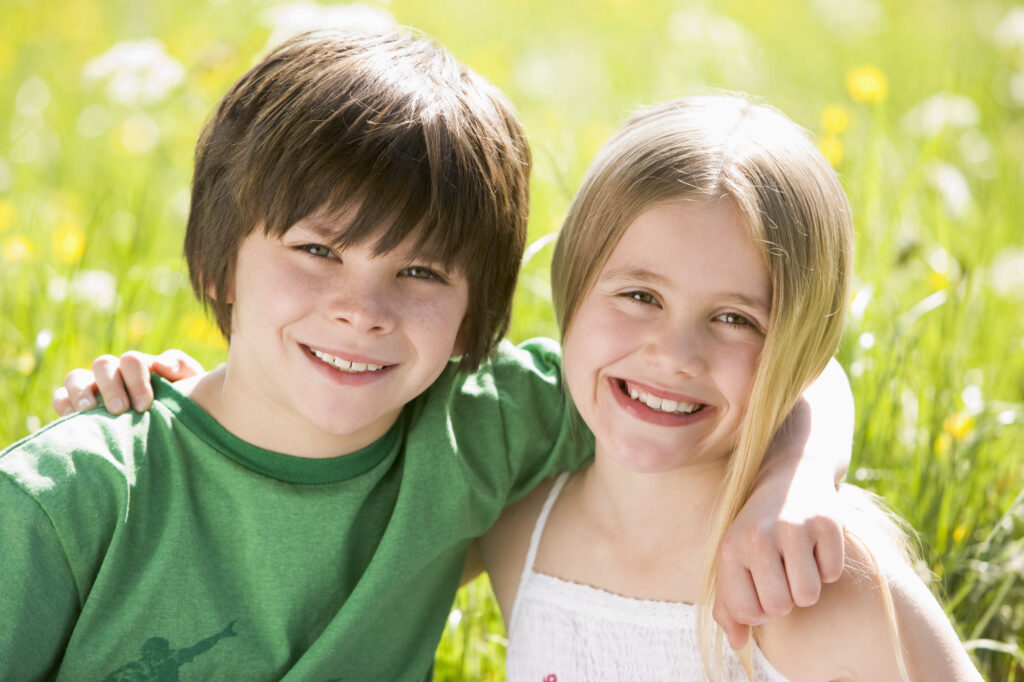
[318,250]
[420,272]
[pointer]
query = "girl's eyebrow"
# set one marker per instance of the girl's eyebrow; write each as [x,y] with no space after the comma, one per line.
[634,274]
[645,276]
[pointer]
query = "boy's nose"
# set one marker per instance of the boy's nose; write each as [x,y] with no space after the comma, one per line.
[365,311]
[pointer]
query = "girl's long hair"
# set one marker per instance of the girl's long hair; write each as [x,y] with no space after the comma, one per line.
[705,149]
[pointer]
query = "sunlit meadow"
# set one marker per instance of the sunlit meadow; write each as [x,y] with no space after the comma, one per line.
[919,105]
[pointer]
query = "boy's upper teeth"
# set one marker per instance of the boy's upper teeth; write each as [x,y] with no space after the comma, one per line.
[662,404]
[345,365]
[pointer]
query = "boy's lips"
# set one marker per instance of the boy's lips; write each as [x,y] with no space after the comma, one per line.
[658,406]
[348,365]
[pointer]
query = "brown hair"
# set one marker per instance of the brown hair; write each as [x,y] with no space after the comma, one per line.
[388,124]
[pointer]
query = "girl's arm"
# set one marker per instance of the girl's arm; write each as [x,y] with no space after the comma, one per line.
[122,382]
[788,538]
[851,629]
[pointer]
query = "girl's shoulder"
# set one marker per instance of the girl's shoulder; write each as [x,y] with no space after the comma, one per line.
[862,621]
[505,546]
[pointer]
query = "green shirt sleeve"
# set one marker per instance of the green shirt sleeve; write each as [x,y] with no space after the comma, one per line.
[544,434]
[38,598]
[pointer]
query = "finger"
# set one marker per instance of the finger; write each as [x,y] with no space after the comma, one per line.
[769,577]
[61,402]
[175,365]
[802,571]
[135,375]
[829,554]
[80,385]
[736,598]
[110,384]
[736,633]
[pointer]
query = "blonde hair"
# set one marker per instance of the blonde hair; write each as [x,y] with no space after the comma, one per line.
[705,149]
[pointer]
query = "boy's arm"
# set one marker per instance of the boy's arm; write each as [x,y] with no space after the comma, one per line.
[788,538]
[121,381]
[38,597]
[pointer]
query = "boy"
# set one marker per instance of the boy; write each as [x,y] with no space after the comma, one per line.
[304,512]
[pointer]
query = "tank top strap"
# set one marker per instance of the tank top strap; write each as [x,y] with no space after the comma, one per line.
[538,532]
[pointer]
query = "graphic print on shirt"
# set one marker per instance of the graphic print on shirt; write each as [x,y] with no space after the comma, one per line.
[160,663]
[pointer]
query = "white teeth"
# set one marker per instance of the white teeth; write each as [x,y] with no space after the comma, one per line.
[662,404]
[344,365]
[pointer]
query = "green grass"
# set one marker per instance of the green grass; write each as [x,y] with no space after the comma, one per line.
[93,193]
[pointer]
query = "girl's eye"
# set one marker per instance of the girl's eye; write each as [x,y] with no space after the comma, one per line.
[737,320]
[420,272]
[318,250]
[640,297]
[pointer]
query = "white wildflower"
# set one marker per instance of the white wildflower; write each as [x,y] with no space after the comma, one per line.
[941,112]
[1010,31]
[136,72]
[951,185]
[94,288]
[1006,273]
[296,17]
[714,42]
[866,340]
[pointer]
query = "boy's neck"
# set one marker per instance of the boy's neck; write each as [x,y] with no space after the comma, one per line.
[265,425]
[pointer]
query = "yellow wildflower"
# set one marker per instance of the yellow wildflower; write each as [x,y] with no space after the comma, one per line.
[959,533]
[943,443]
[69,242]
[867,84]
[199,328]
[18,248]
[25,363]
[938,281]
[831,147]
[835,119]
[959,425]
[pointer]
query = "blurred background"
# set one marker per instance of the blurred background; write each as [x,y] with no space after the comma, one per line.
[918,104]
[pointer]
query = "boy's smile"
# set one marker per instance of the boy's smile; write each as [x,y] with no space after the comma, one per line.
[661,355]
[329,344]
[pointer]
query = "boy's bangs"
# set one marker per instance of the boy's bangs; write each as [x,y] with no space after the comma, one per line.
[397,187]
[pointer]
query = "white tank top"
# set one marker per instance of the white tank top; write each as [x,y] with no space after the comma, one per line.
[562,631]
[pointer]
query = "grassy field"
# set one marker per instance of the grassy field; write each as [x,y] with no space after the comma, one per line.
[919,104]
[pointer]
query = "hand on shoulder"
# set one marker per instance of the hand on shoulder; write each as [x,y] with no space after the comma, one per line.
[851,632]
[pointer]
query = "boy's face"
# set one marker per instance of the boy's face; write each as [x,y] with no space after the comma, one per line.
[328,345]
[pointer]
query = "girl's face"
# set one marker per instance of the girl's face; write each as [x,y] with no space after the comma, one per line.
[661,355]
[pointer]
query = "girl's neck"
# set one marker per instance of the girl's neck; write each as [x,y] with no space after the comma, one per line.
[639,505]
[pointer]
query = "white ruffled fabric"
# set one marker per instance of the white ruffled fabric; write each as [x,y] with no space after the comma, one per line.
[562,631]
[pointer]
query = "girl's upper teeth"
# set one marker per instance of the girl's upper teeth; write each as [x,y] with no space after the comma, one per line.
[344,365]
[662,404]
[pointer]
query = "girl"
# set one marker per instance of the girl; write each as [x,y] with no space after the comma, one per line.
[700,283]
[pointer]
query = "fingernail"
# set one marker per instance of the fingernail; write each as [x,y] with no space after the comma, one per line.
[116,405]
[140,405]
[86,404]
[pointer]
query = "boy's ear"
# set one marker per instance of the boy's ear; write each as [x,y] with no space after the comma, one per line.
[229,297]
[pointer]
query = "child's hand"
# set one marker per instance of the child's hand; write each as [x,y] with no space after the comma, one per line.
[776,555]
[121,381]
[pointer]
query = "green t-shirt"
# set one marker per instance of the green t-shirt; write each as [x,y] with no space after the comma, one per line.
[159,546]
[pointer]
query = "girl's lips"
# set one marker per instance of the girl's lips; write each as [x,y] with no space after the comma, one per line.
[620,389]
